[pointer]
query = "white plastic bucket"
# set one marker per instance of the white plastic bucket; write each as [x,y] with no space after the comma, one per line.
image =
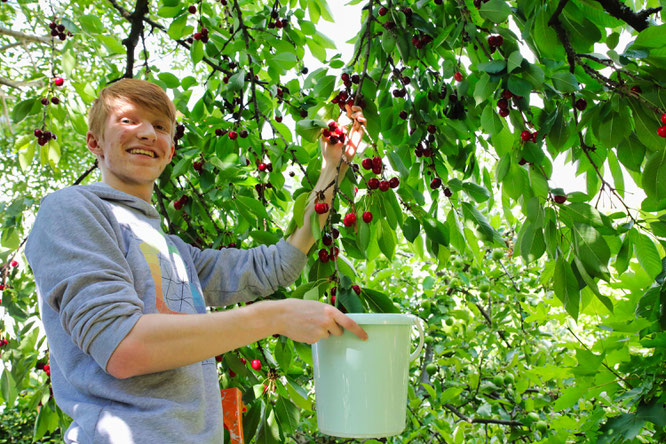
[361,386]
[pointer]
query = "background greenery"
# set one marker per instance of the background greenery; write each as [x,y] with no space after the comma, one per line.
[545,320]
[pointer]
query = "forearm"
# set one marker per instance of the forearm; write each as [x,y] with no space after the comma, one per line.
[302,237]
[161,342]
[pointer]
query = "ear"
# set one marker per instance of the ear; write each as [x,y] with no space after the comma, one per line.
[92,141]
[173,151]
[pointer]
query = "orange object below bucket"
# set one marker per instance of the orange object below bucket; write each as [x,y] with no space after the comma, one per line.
[232,410]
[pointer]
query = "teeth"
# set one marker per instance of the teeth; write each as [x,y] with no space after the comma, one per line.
[140,151]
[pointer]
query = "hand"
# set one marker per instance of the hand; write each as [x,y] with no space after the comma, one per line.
[310,321]
[332,153]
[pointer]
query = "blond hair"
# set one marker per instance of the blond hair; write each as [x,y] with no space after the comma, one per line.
[137,91]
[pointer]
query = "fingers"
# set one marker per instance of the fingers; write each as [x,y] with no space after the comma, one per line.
[349,324]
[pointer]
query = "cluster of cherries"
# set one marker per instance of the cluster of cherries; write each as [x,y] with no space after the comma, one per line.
[178,205]
[58,30]
[375,164]
[202,35]
[327,239]
[3,342]
[495,41]
[45,367]
[527,136]
[419,41]
[43,137]
[334,134]
[180,132]
[503,103]
[275,22]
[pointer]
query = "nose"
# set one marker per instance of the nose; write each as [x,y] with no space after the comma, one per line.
[146,131]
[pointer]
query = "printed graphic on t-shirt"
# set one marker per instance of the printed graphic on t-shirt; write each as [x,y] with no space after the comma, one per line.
[174,294]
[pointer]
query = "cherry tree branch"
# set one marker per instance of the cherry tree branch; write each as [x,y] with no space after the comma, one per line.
[23,37]
[637,20]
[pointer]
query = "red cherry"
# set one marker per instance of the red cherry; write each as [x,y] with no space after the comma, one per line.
[333,253]
[323,255]
[447,192]
[197,165]
[38,133]
[394,182]
[243,360]
[382,11]
[435,183]
[663,118]
[232,135]
[504,112]
[373,183]
[55,100]
[321,207]
[560,199]
[278,119]
[349,219]
[326,239]
[220,132]
[432,129]
[243,134]
[197,36]
[366,163]
[581,104]
[458,76]
[333,140]
[345,77]
[367,217]
[535,134]
[356,289]
[256,364]
[384,185]
[377,169]
[376,162]
[192,9]
[636,89]
[261,166]
[403,115]
[47,369]
[661,131]
[13,264]
[232,374]
[178,204]
[58,81]
[525,136]
[502,103]
[332,126]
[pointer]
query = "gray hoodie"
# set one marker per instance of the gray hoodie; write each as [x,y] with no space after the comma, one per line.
[101,260]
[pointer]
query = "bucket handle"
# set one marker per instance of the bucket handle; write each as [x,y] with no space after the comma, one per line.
[419,325]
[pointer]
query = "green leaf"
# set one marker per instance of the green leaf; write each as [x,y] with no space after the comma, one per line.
[490,121]
[310,129]
[497,11]
[196,51]
[484,88]
[515,60]
[8,388]
[298,395]
[592,249]
[646,253]
[411,229]
[477,192]
[592,284]
[388,42]
[387,239]
[254,205]
[47,420]
[532,245]
[486,231]
[568,398]
[565,286]
[350,300]
[435,231]
[626,425]
[614,128]
[299,208]
[493,66]
[91,24]
[379,302]
[654,175]
[22,109]
[565,82]
[287,415]
[651,37]
[519,86]
[170,80]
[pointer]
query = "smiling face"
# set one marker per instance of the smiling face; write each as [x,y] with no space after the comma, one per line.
[135,146]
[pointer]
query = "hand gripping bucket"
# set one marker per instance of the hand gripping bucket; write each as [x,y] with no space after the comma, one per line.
[361,386]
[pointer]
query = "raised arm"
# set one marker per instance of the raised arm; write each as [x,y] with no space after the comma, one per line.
[302,237]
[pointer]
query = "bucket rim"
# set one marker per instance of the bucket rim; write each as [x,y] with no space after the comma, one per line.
[383,318]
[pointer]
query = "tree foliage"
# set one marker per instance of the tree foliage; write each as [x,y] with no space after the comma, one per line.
[546,310]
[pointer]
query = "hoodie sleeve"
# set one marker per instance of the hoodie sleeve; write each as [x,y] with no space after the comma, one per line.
[81,272]
[234,275]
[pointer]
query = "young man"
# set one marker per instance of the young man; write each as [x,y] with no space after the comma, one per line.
[123,304]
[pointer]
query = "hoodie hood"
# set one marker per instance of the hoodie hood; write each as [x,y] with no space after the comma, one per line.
[110,194]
